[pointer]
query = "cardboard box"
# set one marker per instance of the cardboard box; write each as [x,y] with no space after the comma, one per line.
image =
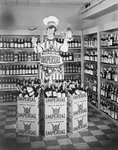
[54,128]
[77,108]
[82,96]
[55,111]
[32,99]
[77,124]
[27,127]
[28,111]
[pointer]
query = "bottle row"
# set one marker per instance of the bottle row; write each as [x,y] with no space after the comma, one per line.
[90,68]
[109,57]
[32,56]
[90,42]
[109,39]
[109,74]
[109,108]
[92,97]
[20,56]
[75,43]
[91,83]
[91,56]
[110,91]
[18,69]
[8,83]
[6,42]
[70,56]
[72,68]
[8,97]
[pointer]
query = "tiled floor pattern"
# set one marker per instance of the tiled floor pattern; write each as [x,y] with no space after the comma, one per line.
[100,135]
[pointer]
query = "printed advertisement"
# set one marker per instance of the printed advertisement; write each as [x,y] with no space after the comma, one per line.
[27,127]
[27,111]
[32,99]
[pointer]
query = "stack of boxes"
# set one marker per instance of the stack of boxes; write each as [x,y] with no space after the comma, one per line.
[53,118]
[28,116]
[77,112]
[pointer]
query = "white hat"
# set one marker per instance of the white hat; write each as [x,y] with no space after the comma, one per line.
[51,20]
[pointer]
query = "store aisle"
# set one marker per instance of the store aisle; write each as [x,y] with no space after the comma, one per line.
[100,135]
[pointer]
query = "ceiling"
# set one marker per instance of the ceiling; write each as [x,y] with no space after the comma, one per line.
[57,3]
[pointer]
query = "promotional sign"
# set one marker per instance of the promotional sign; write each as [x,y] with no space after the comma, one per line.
[27,127]
[79,97]
[55,128]
[28,111]
[32,99]
[55,111]
[55,100]
[77,108]
[51,59]
[77,124]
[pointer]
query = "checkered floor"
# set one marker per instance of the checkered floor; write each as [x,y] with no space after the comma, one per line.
[100,135]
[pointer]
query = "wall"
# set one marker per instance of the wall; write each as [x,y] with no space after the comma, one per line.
[26,15]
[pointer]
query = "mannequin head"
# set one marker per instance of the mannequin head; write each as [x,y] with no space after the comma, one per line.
[51,31]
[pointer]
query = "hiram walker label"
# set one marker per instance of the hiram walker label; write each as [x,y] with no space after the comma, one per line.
[80,110]
[51,59]
[26,99]
[80,125]
[27,130]
[26,113]
[56,130]
[54,100]
[56,114]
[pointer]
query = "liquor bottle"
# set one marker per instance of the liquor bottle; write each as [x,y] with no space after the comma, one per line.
[1,42]
[116,113]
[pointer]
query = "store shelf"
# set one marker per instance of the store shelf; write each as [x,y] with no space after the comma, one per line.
[32,75]
[8,103]
[32,49]
[109,47]
[108,99]
[2,90]
[72,61]
[17,62]
[105,115]
[78,73]
[111,81]
[86,61]
[93,91]
[90,48]
[109,65]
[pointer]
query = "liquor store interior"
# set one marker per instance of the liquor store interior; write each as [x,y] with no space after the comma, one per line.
[58,74]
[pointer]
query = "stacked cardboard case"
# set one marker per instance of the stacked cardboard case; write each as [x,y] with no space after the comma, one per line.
[77,112]
[53,116]
[28,116]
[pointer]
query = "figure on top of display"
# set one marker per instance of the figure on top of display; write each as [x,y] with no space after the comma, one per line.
[51,64]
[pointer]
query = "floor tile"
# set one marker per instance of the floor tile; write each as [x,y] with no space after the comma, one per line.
[53,147]
[101,137]
[85,133]
[107,122]
[103,127]
[95,119]
[62,137]
[93,128]
[23,140]
[97,132]
[81,146]
[51,143]
[113,136]
[90,139]
[38,138]
[49,138]
[10,135]
[107,143]
[37,144]
[112,126]
[115,129]
[77,140]
[64,141]
[74,135]
[91,124]
[23,146]
[99,123]
[70,146]
[95,145]
[108,131]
